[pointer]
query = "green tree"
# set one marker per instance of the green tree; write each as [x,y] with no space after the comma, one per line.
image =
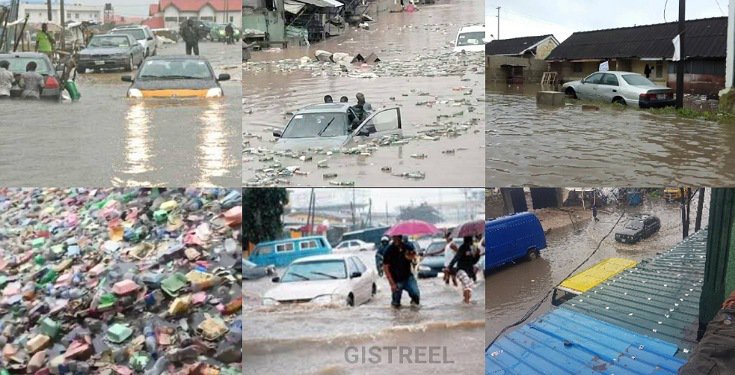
[262,210]
[423,212]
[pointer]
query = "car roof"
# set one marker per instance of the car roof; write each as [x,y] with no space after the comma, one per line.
[130,27]
[325,107]
[471,28]
[317,258]
[618,72]
[177,57]
[23,54]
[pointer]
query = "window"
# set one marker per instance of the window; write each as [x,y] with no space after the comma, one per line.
[76,15]
[610,80]
[305,245]
[360,265]
[284,247]
[659,69]
[351,266]
[577,67]
[264,250]
[171,19]
[595,78]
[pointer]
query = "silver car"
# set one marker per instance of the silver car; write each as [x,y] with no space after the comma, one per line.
[329,126]
[624,88]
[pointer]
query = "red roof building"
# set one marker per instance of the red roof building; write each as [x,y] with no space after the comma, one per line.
[170,13]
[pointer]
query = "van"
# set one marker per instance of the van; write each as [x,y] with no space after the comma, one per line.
[589,278]
[511,238]
[282,252]
[470,39]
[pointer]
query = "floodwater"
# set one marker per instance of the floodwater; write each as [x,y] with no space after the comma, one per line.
[527,145]
[313,340]
[106,139]
[514,289]
[439,93]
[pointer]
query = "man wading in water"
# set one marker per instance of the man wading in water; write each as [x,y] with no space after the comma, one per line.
[465,259]
[397,261]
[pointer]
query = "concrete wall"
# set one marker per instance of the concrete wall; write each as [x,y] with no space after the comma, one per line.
[544,49]
[533,68]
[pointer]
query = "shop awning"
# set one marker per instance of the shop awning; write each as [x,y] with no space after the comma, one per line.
[293,7]
[322,3]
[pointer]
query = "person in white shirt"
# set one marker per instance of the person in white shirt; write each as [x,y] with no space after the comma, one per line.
[450,249]
[6,79]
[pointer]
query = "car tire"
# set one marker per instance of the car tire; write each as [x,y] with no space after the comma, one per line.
[532,254]
[375,290]
[351,300]
[570,93]
[131,65]
[619,100]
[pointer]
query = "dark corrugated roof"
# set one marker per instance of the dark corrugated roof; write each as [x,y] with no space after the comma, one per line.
[657,298]
[565,342]
[704,38]
[514,46]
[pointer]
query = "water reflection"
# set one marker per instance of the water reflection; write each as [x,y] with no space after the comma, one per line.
[137,141]
[213,146]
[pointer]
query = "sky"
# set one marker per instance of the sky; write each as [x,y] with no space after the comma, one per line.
[135,8]
[563,17]
[393,198]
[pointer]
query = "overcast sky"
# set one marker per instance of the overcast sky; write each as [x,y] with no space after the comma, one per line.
[563,17]
[393,198]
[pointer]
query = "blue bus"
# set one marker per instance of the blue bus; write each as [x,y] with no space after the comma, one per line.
[510,238]
[281,253]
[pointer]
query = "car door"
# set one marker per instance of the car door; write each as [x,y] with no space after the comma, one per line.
[379,124]
[355,282]
[588,87]
[608,88]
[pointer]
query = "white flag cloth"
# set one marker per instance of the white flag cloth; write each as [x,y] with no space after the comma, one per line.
[605,66]
[677,49]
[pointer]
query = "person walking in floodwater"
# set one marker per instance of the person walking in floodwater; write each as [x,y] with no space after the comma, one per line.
[384,242]
[6,79]
[328,99]
[397,262]
[190,34]
[230,33]
[647,71]
[465,260]
[594,213]
[450,250]
[31,82]
[45,42]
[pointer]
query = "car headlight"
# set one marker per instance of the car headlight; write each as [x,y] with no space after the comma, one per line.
[215,93]
[221,32]
[134,93]
[270,302]
[328,299]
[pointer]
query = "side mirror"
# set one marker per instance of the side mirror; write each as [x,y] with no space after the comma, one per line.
[126,78]
[150,38]
[582,82]
[276,279]
[278,133]
[355,275]
[223,77]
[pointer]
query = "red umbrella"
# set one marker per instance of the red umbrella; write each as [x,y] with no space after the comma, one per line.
[412,228]
[470,228]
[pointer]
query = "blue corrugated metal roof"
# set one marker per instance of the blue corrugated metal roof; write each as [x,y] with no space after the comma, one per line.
[566,342]
[658,298]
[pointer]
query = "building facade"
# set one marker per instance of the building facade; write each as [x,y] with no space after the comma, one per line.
[171,13]
[38,12]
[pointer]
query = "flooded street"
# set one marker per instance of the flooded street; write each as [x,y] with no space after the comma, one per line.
[514,289]
[440,95]
[106,139]
[527,145]
[313,340]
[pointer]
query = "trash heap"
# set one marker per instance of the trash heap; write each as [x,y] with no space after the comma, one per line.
[120,281]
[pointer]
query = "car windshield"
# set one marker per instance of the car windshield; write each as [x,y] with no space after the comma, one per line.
[138,34]
[634,224]
[310,125]
[175,69]
[109,41]
[637,80]
[18,64]
[471,39]
[435,247]
[318,270]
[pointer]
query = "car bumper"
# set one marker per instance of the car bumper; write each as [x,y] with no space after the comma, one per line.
[108,63]
[657,104]
[51,94]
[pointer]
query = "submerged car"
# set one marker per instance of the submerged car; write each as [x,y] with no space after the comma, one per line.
[329,126]
[336,279]
[638,228]
[143,35]
[470,39]
[624,88]
[252,271]
[19,60]
[176,76]
[110,51]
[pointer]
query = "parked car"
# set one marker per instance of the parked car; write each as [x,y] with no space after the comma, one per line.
[110,51]
[371,235]
[252,271]
[624,88]
[340,279]
[354,245]
[589,278]
[176,76]
[143,35]
[328,126]
[217,33]
[511,238]
[18,61]
[470,39]
[433,257]
[638,228]
[282,252]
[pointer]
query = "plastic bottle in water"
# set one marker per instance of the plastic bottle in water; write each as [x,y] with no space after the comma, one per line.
[150,339]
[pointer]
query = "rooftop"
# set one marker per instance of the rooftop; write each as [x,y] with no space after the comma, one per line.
[515,46]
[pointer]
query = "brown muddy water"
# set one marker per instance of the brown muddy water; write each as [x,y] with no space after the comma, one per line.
[313,340]
[512,290]
[527,145]
[106,139]
[439,94]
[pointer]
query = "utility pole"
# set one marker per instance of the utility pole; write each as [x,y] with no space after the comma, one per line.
[48,8]
[680,65]
[63,19]
[700,207]
[498,35]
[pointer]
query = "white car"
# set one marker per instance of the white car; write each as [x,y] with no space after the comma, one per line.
[354,245]
[143,34]
[334,279]
[470,39]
